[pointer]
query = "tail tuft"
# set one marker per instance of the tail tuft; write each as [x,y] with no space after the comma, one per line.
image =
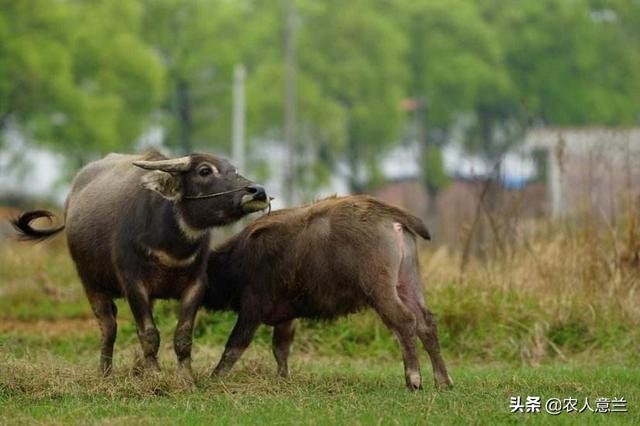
[22,224]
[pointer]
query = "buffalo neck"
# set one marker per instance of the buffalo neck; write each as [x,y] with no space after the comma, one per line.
[163,230]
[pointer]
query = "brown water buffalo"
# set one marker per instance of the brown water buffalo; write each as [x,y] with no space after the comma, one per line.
[143,233]
[325,260]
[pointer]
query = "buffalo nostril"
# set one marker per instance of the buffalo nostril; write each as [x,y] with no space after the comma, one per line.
[258,192]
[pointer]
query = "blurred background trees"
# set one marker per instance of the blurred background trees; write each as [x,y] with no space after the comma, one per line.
[77,76]
[88,77]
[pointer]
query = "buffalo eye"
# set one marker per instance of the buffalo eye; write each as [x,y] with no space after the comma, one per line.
[205,171]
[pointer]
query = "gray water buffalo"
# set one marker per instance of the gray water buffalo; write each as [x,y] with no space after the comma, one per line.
[325,260]
[143,233]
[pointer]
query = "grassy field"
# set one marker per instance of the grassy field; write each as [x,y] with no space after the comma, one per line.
[557,316]
[43,387]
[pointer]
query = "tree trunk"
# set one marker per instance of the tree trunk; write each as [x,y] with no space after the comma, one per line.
[185,123]
[4,119]
[356,186]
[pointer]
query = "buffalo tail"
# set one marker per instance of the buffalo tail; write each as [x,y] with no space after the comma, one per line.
[22,225]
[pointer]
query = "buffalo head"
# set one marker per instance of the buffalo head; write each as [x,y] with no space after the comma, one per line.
[207,190]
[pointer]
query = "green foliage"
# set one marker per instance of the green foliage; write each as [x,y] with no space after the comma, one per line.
[75,75]
[571,66]
[199,42]
[362,72]
[456,58]
[321,121]
[86,77]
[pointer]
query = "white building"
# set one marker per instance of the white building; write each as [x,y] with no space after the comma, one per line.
[592,168]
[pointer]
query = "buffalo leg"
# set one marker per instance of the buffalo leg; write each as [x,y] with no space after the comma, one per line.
[399,319]
[283,334]
[183,337]
[105,311]
[410,292]
[239,340]
[428,333]
[147,332]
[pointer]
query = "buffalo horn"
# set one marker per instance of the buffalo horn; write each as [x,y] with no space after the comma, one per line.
[181,164]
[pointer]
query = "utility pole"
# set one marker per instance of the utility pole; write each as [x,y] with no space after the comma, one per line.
[290,104]
[238,136]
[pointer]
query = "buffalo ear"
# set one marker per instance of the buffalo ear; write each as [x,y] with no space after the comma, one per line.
[163,183]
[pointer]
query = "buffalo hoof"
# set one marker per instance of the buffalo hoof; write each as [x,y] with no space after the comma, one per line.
[443,382]
[185,378]
[144,366]
[105,370]
[218,372]
[414,382]
[443,386]
[283,374]
[151,365]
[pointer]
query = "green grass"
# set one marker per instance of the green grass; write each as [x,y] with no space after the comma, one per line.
[530,325]
[56,381]
[49,375]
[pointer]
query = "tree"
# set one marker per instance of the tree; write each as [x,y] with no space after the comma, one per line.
[320,127]
[200,41]
[457,67]
[347,96]
[353,53]
[75,75]
[506,65]
[571,62]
